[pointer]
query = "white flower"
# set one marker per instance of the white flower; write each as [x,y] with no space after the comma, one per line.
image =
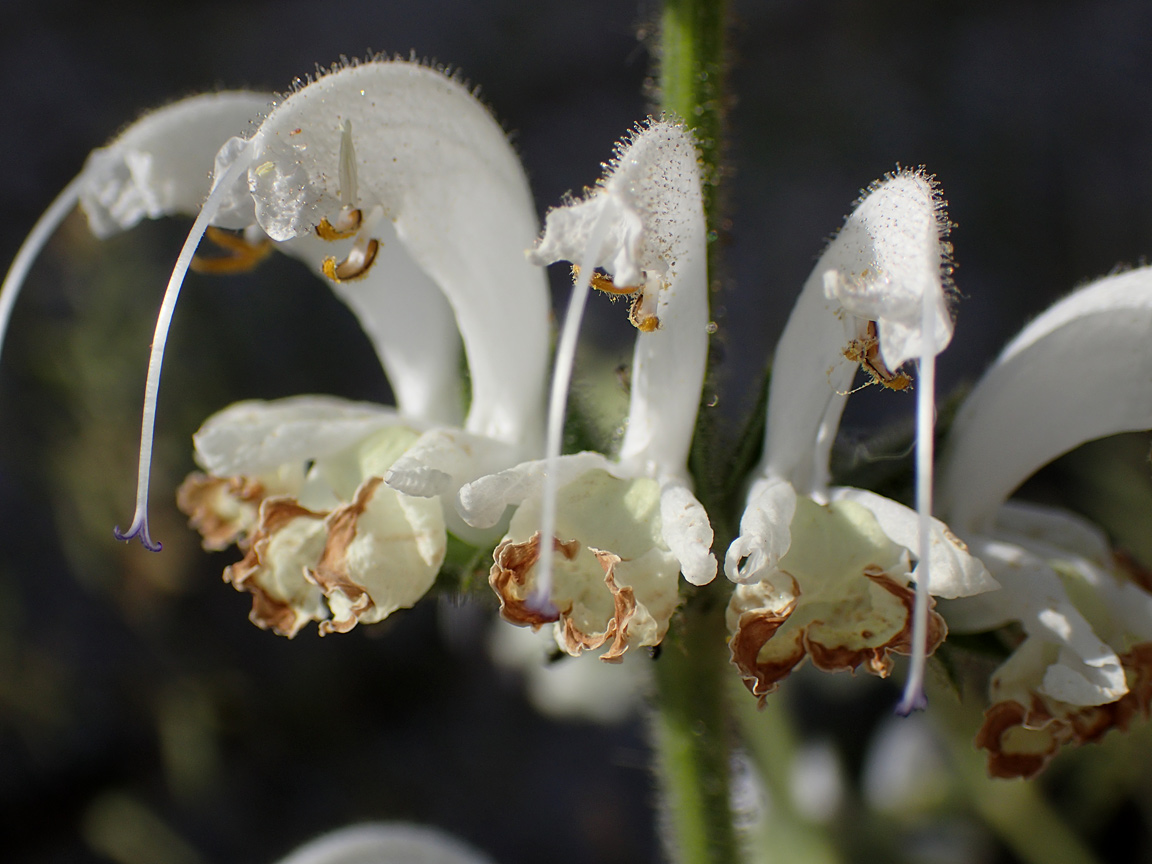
[393,181]
[1082,370]
[622,529]
[824,572]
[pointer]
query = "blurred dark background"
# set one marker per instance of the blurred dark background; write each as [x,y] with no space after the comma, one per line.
[132,689]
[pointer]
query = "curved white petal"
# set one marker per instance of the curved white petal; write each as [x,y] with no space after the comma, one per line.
[886,259]
[249,438]
[386,843]
[435,163]
[952,570]
[765,531]
[408,320]
[1082,370]
[656,238]
[688,532]
[482,503]
[1086,670]
[161,164]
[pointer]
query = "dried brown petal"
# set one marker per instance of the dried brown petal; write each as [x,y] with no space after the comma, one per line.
[509,576]
[288,539]
[1020,743]
[222,509]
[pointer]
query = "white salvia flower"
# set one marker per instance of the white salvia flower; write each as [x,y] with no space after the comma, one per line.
[824,572]
[159,166]
[386,843]
[392,180]
[1081,370]
[623,529]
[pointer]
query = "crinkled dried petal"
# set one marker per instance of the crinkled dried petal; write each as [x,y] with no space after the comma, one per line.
[287,542]
[383,553]
[614,581]
[841,596]
[1021,741]
[222,509]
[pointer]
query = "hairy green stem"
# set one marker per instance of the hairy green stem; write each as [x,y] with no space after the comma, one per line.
[693,736]
[692,727]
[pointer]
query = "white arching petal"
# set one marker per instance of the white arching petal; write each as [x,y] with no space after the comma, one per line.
[953,570]
[881,265]
[437,165]
[249,438]
[687,531]
[158,166]
[161,164]
[765,531]
[652,205]
[1080,371]
[408,320]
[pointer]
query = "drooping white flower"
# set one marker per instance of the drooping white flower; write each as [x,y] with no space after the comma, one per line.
[824,572]
[622,529]
[1081,370]
[395,183]
[158,166]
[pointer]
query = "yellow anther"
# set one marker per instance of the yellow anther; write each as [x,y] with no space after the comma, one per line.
[866,352]
[355,266]
[240,255]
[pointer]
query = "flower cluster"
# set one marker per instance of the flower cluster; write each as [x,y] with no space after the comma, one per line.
[395,185]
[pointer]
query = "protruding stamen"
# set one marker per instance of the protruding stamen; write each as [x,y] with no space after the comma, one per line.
[914,698]
[866,352]
[356,265]
[643,312]
[242,255]
[603,282]
[558,403]
[347,224]
[29,250]
[223,186]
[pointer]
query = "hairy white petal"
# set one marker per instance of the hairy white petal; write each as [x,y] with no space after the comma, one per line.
[687,532]
[249,438]
[765,531]
[1082,370]
[161,164]
[895,233]
[441,170]
[656,238]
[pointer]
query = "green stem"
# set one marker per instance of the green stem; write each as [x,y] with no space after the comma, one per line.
[693,727]
[692,734]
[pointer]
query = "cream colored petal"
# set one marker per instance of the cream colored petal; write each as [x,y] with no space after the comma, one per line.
[253,437]
[953,570]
